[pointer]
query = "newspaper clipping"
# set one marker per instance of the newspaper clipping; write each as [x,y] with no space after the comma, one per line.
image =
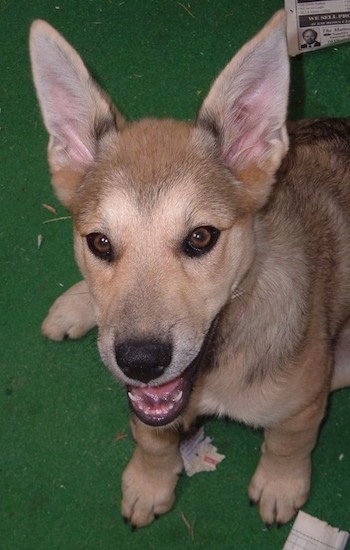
[314,24]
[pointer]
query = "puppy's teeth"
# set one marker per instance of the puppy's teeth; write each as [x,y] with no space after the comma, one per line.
[178,397]
[133,397]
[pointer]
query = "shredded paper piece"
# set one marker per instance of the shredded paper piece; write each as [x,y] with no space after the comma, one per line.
[309,533]
[198,454]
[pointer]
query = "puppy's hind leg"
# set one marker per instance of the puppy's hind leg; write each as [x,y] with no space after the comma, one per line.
[71,316]
[341,372]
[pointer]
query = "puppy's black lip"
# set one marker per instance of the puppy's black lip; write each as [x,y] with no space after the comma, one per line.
[188,378]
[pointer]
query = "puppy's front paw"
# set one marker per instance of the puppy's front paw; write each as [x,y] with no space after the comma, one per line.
[148,491]
[280,489]
[71,315]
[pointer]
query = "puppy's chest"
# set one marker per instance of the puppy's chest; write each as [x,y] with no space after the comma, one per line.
[242,385]
[259,405]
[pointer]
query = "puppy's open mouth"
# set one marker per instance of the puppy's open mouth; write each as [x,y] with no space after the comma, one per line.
[161,405]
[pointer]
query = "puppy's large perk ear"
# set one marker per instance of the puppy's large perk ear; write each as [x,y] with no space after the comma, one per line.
[246,110]
[76,112]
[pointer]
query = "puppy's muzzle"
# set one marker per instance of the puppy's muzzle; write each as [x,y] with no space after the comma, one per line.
[143,360]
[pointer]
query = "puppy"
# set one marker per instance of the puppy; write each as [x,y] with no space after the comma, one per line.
[215,258]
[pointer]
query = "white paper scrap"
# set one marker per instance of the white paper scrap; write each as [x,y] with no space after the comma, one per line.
[309,533]
[198,454]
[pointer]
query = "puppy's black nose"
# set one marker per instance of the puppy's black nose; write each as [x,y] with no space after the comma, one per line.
[143,360]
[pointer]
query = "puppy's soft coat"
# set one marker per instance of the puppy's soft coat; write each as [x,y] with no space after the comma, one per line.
[216,262]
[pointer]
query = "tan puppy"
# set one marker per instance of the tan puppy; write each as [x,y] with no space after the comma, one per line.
[216,263]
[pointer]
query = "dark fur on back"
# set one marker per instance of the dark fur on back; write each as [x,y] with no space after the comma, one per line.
[319,194]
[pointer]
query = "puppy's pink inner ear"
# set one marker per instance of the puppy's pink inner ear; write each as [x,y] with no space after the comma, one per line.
[247,103]
[68,133]
[71,150]
[250,122]
[72,104]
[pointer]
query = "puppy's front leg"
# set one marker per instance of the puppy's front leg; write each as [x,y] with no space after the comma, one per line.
[281,483]
[149,480]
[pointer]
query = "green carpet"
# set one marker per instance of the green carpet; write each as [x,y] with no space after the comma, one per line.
[63,416]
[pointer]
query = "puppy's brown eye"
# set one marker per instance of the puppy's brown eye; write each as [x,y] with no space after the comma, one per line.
[200,241]
[100,246]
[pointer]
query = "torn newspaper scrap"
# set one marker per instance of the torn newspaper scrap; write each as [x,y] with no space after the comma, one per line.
[314,534]
[198,454]
[312,25]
